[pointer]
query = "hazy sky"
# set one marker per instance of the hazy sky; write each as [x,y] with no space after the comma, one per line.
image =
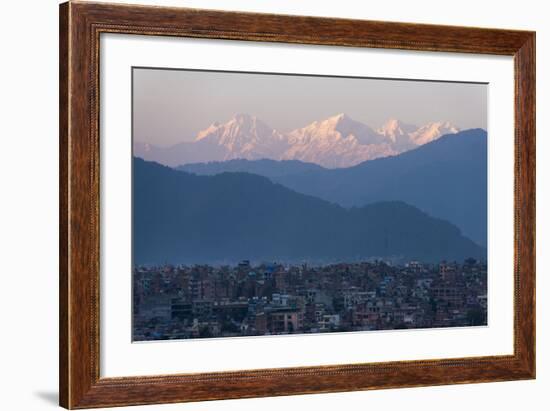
[171,106]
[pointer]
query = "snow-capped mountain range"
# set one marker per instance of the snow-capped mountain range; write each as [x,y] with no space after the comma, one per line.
[338,141]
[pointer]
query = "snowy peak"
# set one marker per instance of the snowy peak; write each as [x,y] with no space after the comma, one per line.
[432,131]
[246,122]
[241,125]
[338,127]
[207,131]
[336,141]
[243,136]
[337,120]
[330,124]
[393,129]
[341,123]
[346,126]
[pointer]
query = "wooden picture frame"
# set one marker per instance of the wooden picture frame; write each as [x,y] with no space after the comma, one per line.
[81,24]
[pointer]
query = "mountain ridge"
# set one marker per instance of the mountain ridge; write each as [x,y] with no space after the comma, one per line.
[264,167]
[335,142]
[447,178]
[181,217]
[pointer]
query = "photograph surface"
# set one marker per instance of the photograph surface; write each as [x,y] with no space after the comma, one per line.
[272,204]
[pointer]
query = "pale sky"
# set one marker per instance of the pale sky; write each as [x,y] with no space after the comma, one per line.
[171,106]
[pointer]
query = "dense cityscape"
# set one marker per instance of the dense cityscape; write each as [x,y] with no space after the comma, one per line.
[203,301]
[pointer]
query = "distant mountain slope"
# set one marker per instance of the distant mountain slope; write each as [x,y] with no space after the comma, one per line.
[338,141]
[180,217]
[266,168]
[446,178]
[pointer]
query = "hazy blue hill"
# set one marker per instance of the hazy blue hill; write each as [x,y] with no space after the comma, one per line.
[184,218]
[446,178]
[265,167]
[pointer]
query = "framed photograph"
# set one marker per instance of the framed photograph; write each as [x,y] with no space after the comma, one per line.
[259,205]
